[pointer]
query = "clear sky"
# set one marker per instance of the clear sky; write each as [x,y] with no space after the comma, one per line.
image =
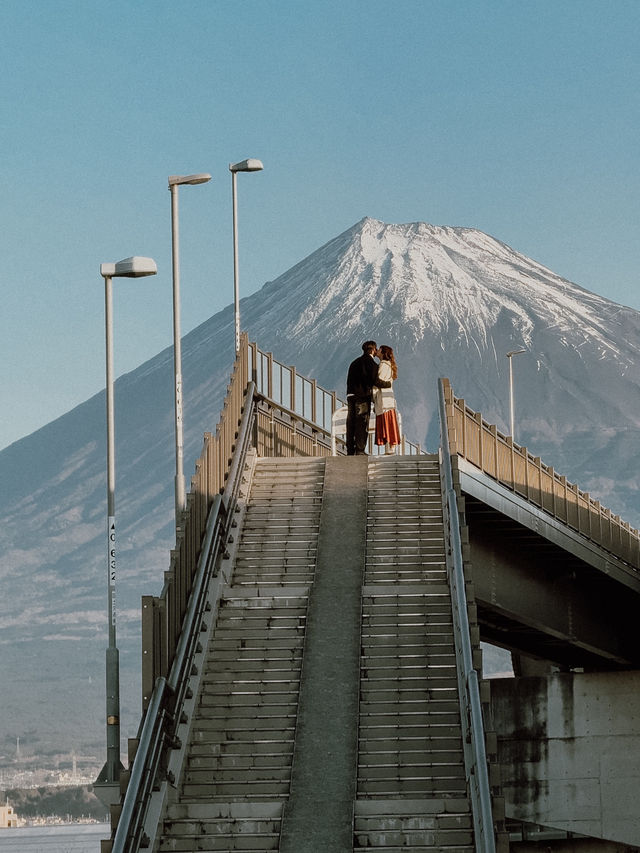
[518,118]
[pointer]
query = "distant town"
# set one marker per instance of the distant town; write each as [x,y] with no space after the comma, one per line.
[33,771]
[48,790]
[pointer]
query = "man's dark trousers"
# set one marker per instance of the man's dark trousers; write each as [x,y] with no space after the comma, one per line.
[358,411]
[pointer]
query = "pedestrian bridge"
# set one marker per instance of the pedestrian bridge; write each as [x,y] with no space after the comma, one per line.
[312,670]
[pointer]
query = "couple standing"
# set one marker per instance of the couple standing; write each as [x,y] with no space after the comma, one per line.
[367,382]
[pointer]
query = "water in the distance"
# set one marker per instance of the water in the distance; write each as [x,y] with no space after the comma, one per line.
[66,838]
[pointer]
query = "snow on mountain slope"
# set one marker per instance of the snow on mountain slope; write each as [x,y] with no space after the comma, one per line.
[451,301]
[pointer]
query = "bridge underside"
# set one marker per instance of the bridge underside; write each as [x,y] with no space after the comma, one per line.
[542,591]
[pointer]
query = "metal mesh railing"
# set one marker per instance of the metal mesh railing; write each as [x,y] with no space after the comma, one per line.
[481,444]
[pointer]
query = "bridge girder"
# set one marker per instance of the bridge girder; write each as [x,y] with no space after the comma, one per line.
[541,589]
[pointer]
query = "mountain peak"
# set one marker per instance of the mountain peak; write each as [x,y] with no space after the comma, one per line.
[421,278]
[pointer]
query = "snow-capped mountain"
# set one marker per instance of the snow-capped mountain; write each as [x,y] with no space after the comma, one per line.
[451,301]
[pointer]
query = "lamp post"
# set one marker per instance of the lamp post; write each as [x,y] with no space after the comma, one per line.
[510,357]
[250,165]
[109,777]
[174,182]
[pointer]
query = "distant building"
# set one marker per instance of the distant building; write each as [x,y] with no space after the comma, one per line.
[8,818]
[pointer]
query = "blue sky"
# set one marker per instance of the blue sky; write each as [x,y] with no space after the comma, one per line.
[520,119]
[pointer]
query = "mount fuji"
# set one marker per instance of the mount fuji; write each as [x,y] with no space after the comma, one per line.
[450,301]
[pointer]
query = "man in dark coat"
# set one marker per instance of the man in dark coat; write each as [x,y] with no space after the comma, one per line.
[361,377]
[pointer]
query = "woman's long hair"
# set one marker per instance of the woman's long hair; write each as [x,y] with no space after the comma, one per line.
[386,354]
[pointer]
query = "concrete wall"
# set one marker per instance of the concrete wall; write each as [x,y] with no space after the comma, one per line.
[569,748]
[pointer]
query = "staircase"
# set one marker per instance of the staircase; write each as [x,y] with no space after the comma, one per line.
[410,791]
[239,760]
[411,778]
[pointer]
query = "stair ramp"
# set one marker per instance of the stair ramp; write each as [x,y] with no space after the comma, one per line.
[328,717]
[411,789]
[238,764]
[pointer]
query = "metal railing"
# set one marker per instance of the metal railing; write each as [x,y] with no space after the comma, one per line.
[163,616]
[475,758]
[480,443]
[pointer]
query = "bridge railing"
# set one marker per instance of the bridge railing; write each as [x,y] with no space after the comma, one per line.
[481,444]
[163,616]
[296,416]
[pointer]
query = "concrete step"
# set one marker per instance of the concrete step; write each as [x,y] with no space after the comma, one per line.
[234,726]
[259,656]
[244,789]
[404,688]
[263,811]
[236,775]
[255,643]
[398,786]
[203,839]
[294,578]
[405,712]
[240,762]
[396,607]
[250,706]
[449,741]
[242,747]
[221,844]
[240,667]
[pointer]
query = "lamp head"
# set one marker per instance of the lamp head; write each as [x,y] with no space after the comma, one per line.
[176,180]
[250,165]
[129,268]
[515,352]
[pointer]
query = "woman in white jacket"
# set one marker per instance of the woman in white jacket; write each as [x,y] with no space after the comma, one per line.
[384,403]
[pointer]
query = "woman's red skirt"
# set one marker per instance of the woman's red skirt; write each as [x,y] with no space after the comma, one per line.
[387,431]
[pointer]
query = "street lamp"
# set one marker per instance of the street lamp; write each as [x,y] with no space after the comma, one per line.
[174,182]
[250,165]
[110,774]
[510,357]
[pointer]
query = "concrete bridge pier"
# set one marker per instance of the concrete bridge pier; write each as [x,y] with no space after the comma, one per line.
[568,746]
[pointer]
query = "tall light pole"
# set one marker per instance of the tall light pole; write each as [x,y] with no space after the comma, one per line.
[510,357]
[250,165]
[110,774]
[174,182]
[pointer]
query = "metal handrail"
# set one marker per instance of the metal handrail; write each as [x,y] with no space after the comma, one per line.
[471,709]
[129,832]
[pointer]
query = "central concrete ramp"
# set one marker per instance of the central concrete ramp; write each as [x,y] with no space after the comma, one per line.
[319,813]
